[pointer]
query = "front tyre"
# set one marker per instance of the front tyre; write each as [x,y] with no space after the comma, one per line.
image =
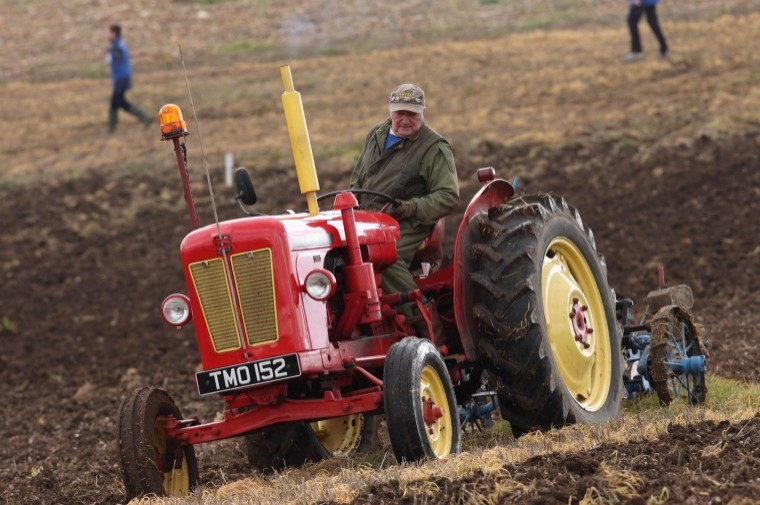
[148,463]
[546,315]
[420,406]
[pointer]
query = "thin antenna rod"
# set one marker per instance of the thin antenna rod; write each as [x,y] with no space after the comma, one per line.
[223,249]
[200,140]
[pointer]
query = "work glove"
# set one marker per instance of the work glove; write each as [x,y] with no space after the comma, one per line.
[402,209]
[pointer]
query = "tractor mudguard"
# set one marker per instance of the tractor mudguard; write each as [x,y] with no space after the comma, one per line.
[490,195]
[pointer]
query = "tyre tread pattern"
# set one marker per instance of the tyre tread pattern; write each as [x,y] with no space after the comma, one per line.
[137,415]
[505,270]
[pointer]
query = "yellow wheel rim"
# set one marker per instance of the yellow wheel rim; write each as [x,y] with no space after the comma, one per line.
[176,482]
[583,358]
[440,431]
[340,435]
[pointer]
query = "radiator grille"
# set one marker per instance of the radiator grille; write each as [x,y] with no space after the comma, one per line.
[214,293]
[254,282]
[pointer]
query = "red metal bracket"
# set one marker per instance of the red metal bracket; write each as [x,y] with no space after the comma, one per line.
[355,305]
[426,316]
[223,244]
[374,380]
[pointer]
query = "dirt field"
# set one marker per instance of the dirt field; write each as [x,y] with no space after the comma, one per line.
[661,158]
[668,469]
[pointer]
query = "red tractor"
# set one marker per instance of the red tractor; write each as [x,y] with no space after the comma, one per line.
[297,337]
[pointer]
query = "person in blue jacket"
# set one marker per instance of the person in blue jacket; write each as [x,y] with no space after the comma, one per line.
[121,75]
[639,7]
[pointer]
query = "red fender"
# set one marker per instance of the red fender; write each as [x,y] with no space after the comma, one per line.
[492,194]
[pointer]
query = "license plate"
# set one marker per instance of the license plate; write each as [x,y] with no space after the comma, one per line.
[246,375]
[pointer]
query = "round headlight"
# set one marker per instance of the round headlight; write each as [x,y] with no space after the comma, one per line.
[320,284]
[176,310]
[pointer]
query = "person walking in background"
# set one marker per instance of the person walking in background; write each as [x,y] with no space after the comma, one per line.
[638,7]
[121,75]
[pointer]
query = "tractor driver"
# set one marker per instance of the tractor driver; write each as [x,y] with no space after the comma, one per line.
[408,160]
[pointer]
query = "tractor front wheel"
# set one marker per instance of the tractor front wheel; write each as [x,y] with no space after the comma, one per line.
[420,406]
[546,315]
[149,464]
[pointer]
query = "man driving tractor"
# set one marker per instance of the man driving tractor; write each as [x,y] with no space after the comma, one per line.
[405,158]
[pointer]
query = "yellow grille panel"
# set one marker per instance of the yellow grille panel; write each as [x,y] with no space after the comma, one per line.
[214,292]
[254,282]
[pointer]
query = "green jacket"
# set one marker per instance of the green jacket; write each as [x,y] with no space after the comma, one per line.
[420,169]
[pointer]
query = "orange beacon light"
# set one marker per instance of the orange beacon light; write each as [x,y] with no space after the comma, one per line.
[173,128]
[172,124]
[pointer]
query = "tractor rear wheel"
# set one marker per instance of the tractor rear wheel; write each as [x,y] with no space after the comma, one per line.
[283,446]
[546,315]
[420,406]
[148,464]
[341,436]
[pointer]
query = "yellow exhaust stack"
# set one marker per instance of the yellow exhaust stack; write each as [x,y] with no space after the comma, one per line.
[299,141]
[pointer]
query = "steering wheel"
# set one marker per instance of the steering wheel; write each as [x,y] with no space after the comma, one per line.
[388,198]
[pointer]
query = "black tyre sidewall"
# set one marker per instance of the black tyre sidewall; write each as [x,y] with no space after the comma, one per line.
[563,226]
[141,409]
[404,406]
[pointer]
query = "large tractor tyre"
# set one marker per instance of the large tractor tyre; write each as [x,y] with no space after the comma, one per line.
[342,436]
[420,406]
[546,315]
[283,446]
[148,464]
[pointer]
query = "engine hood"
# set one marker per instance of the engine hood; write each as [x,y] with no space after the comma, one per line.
[301,231]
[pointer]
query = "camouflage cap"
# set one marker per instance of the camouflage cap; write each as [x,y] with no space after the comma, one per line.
[407,97]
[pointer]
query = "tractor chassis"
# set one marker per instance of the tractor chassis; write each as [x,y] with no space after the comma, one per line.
[238,421]
[255,408]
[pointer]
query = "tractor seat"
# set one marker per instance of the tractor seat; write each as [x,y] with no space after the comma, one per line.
[431,249]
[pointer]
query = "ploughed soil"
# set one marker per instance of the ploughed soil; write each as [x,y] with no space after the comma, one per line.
[704,463]
[85,263]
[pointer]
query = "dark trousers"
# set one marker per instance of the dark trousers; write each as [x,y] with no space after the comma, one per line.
[118,99]
[397,278]
[633,24]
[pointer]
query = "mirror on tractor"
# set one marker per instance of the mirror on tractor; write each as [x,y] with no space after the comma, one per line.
[246,194]
[244,185]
